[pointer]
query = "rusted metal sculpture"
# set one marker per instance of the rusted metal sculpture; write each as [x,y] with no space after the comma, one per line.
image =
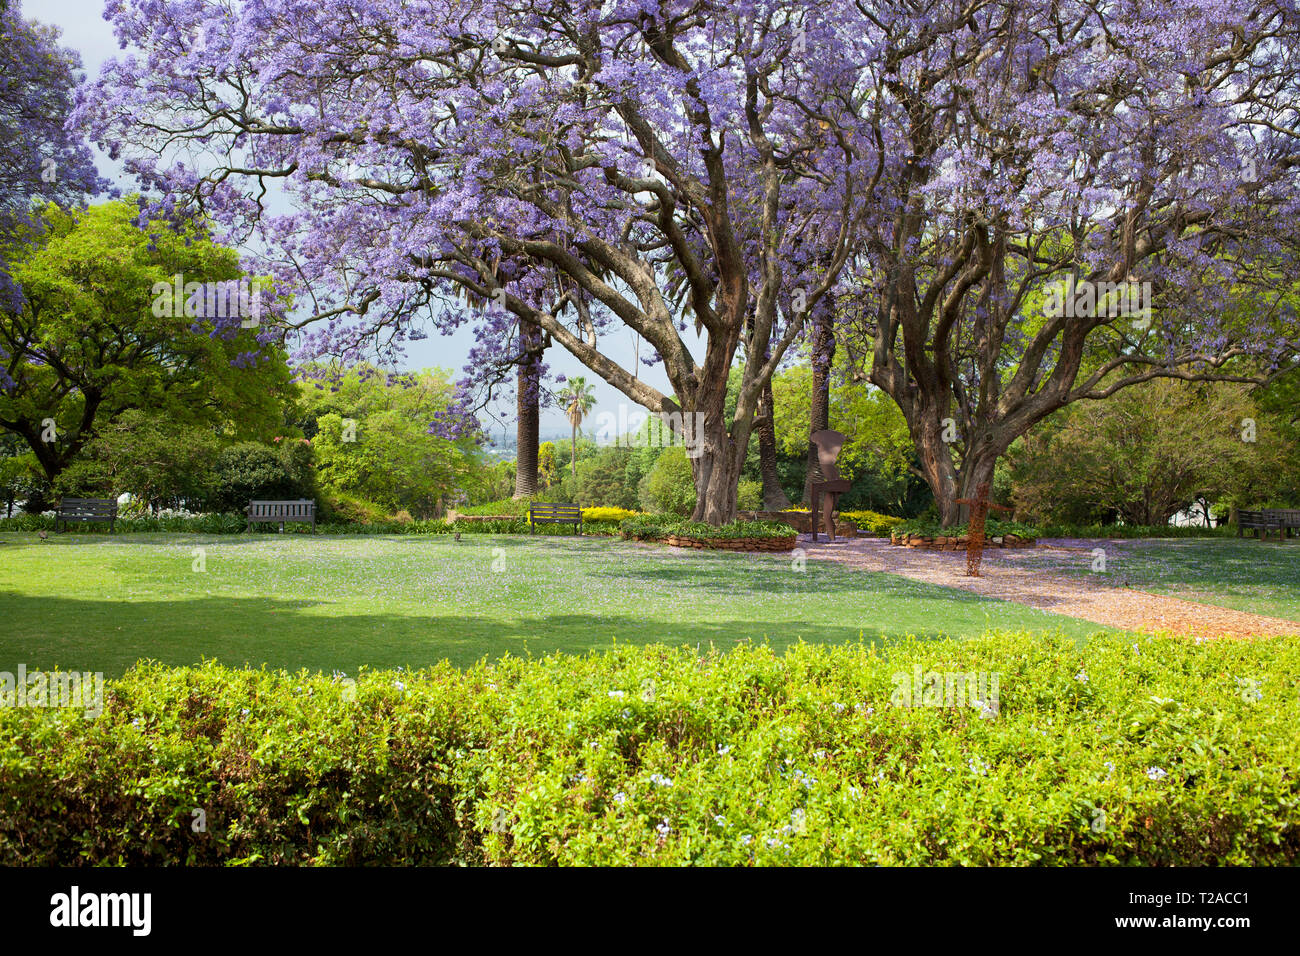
[979,509]
[826,478]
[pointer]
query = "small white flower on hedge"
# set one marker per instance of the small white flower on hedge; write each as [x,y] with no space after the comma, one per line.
[724,750]
[617,694]
[1155,773]
[663,829]
[1081,677]
[720,820]
[659,780]
[620,797]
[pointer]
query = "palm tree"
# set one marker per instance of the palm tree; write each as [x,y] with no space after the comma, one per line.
[577,399]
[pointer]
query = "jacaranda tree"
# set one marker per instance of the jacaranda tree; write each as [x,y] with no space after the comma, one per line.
[579,167]
[1080,197]
[40,159]
[713,167]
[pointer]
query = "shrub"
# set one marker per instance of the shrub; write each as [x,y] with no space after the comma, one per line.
[670,486]
[660,526]
[749,496]
[606,514]
[251,470]
[1124,751]
[872,522]
[992,528]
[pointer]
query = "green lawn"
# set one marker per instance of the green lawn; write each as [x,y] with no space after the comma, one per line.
[1262,577]
[92,602]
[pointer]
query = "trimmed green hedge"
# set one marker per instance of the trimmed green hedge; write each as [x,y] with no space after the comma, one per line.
[1158,751]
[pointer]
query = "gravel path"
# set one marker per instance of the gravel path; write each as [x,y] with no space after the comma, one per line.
[1018,575]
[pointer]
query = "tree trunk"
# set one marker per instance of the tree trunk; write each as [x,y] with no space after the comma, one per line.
[774,497]
[823,353]
[528,396]
[716,466]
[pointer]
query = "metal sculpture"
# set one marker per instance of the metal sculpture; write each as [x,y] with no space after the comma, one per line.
[979,509]
[826,478]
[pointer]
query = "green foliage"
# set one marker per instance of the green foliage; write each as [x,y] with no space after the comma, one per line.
[89,342]
[878,452]
[1133,531]
[749,495]
[670,485]
[993,527]
[251,470]
[655,526]
[1146,453]
[370,434]
[1118,752]
[603,479]
[871,522]
[147,455]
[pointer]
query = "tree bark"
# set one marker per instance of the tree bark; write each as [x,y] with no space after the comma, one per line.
[527,408]
[823,354]
[774,497]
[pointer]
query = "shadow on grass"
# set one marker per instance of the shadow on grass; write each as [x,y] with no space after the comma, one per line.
[110,636]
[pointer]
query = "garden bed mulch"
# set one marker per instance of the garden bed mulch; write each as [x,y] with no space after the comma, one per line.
[1086,598]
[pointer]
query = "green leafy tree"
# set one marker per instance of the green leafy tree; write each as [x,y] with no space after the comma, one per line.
[1147,453]
[249,470]
[154,459]
[370,432]
[546,467]
[88,341]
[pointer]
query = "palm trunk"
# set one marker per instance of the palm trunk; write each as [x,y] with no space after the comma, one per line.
[528,392]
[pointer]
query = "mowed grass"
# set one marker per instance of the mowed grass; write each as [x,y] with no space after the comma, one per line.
[1261,577]
[93,602]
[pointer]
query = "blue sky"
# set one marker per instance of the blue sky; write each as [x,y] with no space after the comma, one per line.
[85,30]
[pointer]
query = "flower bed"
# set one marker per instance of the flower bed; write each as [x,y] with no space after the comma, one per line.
[736,536]
[732,544]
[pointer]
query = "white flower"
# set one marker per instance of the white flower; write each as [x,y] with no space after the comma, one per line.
[723,751]
[663,829]
[720,820]
[399,685]
[659,780]
[617,694]
[620,797]
[1155,773]
[1081,677]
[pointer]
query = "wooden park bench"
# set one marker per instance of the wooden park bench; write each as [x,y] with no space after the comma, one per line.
[1264,522]
[86,509]
[278,512]
[552,512]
